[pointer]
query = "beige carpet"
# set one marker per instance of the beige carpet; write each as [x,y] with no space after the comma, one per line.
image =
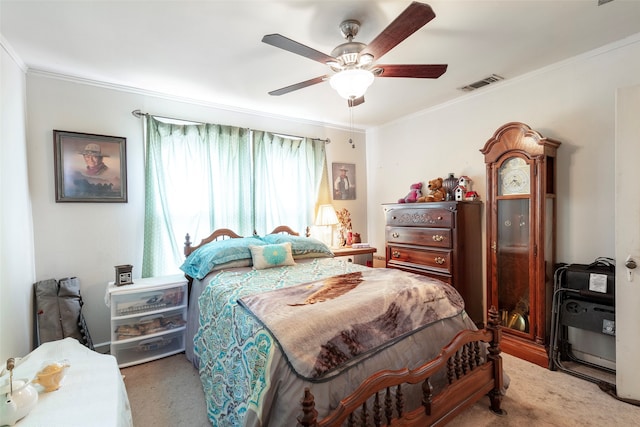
[167,392]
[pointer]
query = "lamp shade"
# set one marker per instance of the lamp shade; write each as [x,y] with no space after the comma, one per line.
[352,83]
[326,215]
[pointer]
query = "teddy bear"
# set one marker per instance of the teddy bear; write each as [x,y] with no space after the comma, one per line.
[415,192]
[436,192]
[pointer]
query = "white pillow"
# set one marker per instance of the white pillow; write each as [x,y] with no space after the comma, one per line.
[268,256]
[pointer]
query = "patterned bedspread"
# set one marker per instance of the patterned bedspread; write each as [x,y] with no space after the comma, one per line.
[234,348]
[326,325]
[246,379]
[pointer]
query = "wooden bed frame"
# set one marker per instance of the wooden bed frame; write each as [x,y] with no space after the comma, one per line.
[469,379]
[225,233]
[470,376]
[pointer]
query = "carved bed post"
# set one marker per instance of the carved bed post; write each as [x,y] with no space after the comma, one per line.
[494,354]
[187,245]
[187,251]
[309,413]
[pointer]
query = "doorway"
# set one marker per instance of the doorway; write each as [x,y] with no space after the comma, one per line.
[627,238]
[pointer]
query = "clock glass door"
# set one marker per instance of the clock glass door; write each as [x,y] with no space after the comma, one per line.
[512,261]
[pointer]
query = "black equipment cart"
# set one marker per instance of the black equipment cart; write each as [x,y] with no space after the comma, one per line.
[583,298]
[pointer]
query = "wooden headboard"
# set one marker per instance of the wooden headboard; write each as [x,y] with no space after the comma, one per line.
[287,230]
[226,233]
[221,233]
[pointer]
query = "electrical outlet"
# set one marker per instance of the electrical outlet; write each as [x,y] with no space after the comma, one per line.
[609,327]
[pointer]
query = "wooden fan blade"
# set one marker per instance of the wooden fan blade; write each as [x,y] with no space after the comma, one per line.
[355,102]
[297,86]
[292,46]
[408,22]
[416,71]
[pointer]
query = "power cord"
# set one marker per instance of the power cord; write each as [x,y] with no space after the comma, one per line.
[610,389]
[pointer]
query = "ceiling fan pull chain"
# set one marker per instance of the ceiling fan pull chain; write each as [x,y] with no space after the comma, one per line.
[351,128]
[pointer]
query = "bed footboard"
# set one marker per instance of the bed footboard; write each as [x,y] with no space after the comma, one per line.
[380,399]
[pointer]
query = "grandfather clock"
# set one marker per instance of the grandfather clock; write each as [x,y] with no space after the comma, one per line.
[521,237]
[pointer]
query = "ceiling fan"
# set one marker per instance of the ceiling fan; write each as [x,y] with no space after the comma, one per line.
[353,63]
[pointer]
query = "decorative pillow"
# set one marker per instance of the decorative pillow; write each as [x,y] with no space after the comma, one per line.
[301,247]
[268,256]
[220,254]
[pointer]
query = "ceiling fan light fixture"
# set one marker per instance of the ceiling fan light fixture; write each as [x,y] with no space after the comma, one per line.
[366,59]
[352,63]
[352,83]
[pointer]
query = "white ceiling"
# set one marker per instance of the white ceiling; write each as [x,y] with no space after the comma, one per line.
[211,51]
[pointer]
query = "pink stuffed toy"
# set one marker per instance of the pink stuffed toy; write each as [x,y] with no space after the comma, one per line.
[414,193]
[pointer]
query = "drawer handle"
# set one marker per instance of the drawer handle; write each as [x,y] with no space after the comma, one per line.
[395,235]
[439,260]
[438,237]
[395,254]
[433,221]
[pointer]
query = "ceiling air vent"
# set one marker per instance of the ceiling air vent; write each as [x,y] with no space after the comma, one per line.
[480,83]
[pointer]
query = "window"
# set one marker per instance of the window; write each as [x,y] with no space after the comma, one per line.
[199,177]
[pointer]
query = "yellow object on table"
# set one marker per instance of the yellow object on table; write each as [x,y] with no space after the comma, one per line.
[50,377]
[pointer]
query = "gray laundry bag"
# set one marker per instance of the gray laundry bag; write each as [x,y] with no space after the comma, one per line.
[59,311]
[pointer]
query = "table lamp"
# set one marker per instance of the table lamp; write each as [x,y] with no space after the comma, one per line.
[326,219]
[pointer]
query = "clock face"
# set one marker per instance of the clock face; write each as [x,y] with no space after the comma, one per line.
[514,177]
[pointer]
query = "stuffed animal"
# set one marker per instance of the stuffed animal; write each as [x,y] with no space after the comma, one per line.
[436,192]
[415,192]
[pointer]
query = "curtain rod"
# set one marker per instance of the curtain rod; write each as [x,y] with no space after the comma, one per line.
[139,114]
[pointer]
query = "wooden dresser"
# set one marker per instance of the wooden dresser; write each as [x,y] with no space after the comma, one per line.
[441,240]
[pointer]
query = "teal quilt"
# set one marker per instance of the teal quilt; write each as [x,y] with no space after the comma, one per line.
[234,349]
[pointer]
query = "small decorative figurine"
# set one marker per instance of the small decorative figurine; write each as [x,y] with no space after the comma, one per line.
[449,184]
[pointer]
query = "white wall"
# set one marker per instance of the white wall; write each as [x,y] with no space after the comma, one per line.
[573,102]
[16,233]
[88,239]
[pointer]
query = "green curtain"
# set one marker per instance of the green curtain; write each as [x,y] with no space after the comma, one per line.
[197,179]
[288,173]
[200,177]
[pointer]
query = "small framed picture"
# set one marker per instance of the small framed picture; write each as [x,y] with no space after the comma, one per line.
[90,168]
[344,181]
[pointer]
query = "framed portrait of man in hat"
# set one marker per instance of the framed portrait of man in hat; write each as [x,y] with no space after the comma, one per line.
[344,181]
[90,167]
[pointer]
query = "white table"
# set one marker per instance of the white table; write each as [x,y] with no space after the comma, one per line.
[92,392]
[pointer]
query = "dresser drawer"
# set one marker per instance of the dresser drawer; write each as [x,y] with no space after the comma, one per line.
[131,303]
[140,350]
[446,278]
[137,326]
[434,237]
[420,258]
[436,217]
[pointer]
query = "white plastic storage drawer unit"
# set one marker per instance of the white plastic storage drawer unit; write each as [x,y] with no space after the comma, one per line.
[148,318]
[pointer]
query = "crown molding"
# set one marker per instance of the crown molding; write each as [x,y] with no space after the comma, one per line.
[199,102]
[12,53]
